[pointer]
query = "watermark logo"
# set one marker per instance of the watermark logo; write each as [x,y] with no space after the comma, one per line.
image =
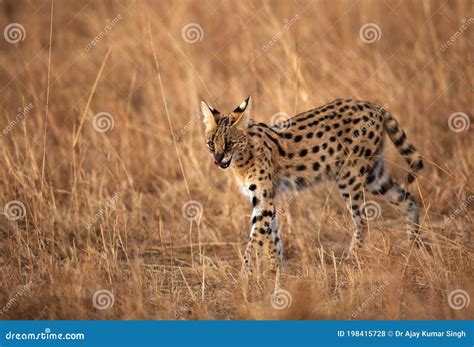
[192,210]
[103,299]
[14,210]
[464,26]
[46,335]
[380,111]
[192,33]
[370,210]
[21,113]
[370,33]
[281,299]
[103,122]
[376,292]
[288,24]
[108,204]
[179,134]
[458,299]
[281,120]
[14,33]
[454,214]
[14,300]
[107,28]
[459,122]
[187,305]
[284,205]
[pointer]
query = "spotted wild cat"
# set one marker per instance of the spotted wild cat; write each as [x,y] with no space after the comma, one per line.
[341,141]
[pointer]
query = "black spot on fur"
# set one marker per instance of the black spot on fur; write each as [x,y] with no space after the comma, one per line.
[267,213]
[300,167]
[408,150]
[417,165]
[398,142]
[275,141]
[385,187]
[300,182]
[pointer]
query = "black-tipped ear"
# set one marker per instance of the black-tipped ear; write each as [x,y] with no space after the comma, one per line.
[243,106]
[214,111]
[241,114]
[210,115]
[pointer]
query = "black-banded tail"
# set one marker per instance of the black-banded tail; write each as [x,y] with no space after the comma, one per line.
[404,147]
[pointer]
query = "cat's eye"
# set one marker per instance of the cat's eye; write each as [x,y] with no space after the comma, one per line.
[228,146]
[210,144]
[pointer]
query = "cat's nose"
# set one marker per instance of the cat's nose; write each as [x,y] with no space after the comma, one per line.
[218,158]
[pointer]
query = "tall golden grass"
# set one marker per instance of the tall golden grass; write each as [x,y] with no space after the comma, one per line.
[103,210]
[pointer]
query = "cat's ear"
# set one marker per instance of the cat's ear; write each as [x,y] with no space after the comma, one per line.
[210,115]
[241,115]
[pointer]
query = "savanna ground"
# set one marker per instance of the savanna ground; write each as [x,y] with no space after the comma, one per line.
[85,211]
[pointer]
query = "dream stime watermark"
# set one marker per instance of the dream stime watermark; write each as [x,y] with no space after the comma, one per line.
[288,24]
[108,204]
[376,292]
[454,214]
[14,299]
[465,25]
[108,27]
[21,113]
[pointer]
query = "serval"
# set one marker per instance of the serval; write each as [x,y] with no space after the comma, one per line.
[341,141]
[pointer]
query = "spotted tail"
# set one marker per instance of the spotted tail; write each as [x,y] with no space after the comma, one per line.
[404,147]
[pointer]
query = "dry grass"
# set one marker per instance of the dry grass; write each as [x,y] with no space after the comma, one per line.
[157,263]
